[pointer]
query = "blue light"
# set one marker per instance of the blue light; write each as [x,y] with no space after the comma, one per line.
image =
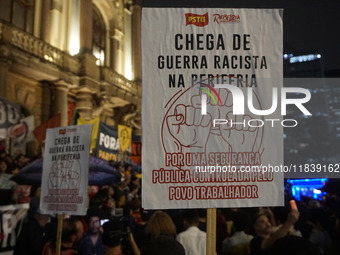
[302,58]
[303,181]
[307,187]
[316,191]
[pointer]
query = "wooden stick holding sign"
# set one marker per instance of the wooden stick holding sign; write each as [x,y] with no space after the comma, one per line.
[211,231]
[65,173]
[59,233]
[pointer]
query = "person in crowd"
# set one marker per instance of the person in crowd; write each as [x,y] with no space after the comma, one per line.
[239,242]
[103,199]
[193,239]
[135,181]
[221,230]
[118,239]
[164,245]
[32,236]
[109,190]
[279,219]
[79,224]
[160,223]
[92,190]
[128,168]
[202,219]
[137,229]
[68,239]
[3,166]
[23,192]
[126,189]
[110,203]
[120,194]
[35,191]
[137,210]
[120,170]
[21,160]
[92,240]
[2,153]
[133,194]
[8,191]
[10,162]
[98,200]
[320,235]
[265,238]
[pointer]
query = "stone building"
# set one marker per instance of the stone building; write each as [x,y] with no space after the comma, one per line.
[55,52]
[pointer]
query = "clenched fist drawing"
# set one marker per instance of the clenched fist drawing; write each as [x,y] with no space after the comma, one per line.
[189,130]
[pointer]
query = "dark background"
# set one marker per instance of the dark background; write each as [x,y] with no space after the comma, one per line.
[308,26]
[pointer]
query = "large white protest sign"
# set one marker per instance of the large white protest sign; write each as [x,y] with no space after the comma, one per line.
[212,125]
[65,170]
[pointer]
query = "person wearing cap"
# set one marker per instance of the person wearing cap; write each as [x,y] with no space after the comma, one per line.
[32,236]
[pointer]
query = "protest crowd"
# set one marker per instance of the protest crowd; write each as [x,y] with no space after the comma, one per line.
[117,224]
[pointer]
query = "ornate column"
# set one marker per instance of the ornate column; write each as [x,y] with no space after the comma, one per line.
[117,50]
[137,57]
[84,103]
[136,41]
[55,27]
[89,72]
[4,65]
[45,22]
[43,96]
[86,26]
[60,102]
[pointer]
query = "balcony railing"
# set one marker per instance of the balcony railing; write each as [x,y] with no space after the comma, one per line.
[44,51]
[38,48]
[119,80]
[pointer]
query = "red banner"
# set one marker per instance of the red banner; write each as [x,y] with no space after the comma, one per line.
[196,19]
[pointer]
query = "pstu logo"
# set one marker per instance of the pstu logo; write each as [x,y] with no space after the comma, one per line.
[226,18]
[196,19]
[62,131]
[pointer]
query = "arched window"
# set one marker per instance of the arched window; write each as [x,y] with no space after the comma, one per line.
[20,13]
[98,37]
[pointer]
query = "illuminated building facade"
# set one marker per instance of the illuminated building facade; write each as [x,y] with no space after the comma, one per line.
[84,52]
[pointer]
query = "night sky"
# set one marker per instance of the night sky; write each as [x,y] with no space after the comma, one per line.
[308,26]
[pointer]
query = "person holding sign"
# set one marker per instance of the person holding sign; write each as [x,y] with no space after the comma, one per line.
[69,237]
[32,237]
[265,238]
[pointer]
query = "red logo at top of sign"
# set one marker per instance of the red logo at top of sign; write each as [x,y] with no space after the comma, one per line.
[196,19]
[62,131]
[226,18]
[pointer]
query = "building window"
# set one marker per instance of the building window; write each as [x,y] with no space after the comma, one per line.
[98,37]
[20,13]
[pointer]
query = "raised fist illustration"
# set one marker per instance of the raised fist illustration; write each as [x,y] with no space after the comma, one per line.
[218,130]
